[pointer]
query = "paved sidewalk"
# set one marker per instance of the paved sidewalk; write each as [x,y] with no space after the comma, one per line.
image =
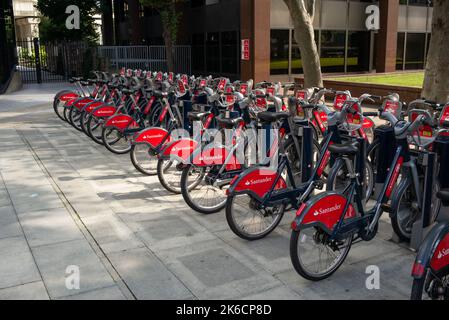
[67,204]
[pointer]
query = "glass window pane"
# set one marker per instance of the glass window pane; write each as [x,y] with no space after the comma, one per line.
[213,52]
[279,51]
[198,53]
[414,58]
[229,51]
[332,51]
[400,51]
[359,51]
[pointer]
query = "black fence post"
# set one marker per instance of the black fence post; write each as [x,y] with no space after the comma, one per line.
[37,61]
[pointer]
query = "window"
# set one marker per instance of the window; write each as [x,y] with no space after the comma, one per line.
[213,52]
[279,51]
[358,51]
[414,57]
[400,51]
[333,51]
[229,51]
[198,52]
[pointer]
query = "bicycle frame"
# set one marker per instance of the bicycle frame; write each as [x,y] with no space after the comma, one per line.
[275,192]
[334,212]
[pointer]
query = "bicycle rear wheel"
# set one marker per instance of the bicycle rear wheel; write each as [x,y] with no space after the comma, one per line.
[116,141]
[169,173]
[199,192]
[249,220]
[314,256]
[144,159]
[75,116]
[431,287]
[94,128]
[58,105]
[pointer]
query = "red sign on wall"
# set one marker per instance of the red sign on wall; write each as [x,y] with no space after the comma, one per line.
[245,49]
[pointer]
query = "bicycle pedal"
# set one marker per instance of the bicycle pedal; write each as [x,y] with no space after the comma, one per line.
[387,208]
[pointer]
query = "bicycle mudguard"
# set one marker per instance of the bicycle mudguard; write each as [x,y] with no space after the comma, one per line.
[215,156]
[121,122]
[257,182]
[104,111]
[154,137]
[180,150]
[92,106]
[70,102]
[68,96]
[324,210]
[433,252]
[82,103]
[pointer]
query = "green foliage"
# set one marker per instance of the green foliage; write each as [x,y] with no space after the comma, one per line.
[169,16]
[52,26]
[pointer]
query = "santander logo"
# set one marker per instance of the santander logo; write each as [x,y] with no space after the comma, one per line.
[104,111]
[152,137]
[443,253]
[211,158]
[177,149]
[119,121]
[322,211]
[258,181]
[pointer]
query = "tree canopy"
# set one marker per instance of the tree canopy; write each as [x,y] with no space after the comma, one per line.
[170,21]
[53,28]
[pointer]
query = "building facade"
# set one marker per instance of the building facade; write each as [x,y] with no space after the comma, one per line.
[215,30]
[7,40]
[26,20]
[342,38]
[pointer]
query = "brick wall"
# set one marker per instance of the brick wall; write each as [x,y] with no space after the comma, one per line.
[407,94]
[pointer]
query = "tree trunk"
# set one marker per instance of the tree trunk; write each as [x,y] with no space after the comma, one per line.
[108,22]
[302,13]
[134,20]
[168,41]
[436,81]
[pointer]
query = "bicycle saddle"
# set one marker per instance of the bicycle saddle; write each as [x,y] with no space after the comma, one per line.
[270,117]
[230,123]
[198,116]
[443,195]
[349,148]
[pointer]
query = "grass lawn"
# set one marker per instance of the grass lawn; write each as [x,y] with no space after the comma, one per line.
[412,79]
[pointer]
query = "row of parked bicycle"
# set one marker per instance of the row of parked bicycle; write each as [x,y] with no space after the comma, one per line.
[260,150]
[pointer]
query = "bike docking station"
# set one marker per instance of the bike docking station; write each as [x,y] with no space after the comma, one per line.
[430,161]
[387,144]
[305,133]
[423,224]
